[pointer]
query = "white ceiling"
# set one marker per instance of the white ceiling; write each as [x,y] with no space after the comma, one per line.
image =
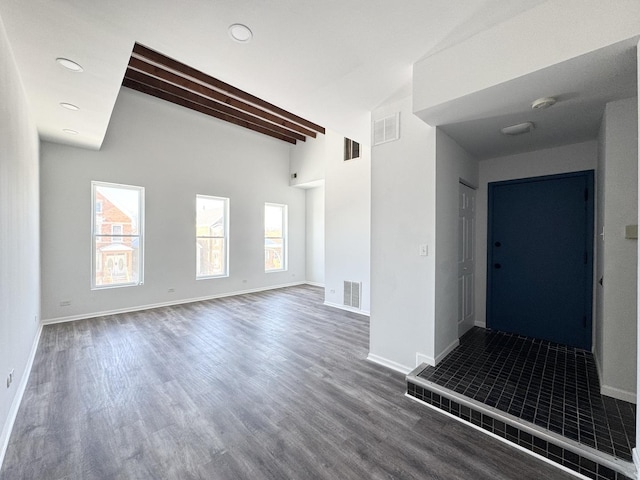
[330,61]
[582,86]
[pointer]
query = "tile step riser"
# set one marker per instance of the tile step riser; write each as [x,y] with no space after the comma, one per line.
[572,457]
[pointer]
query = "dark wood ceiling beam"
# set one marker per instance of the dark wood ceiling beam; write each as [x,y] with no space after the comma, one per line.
[160,59]
[167,76]
[206,102]
[202,109]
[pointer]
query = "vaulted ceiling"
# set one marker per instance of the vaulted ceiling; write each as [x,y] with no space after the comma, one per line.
[330,62]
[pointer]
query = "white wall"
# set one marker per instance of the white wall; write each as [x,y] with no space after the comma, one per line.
[347,220]
[19,238]
[617,207]
[308,160]
[453,164]
[315,233]
[636,457]
[568,158]
[175,154]
[403,201]
[545,35]
[346,214]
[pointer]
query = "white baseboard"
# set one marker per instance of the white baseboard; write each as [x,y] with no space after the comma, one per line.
[618,393]
[614,392]
[446,351]
[480,324]
[422,358]
[636,460]
[138,308]
[389,363]
[17,399]
[348,309]
[315,284]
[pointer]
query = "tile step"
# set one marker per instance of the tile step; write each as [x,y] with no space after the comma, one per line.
[564,451]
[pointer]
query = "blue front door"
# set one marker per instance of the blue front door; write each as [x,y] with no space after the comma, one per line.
[540,257]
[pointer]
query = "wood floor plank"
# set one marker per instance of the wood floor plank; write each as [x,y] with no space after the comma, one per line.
[270,385]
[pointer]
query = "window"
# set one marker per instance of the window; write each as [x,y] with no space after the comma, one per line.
[351,149]
[275,237]
[212,233]
[116,230]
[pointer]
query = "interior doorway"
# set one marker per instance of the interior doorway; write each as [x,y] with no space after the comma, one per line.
[540,257]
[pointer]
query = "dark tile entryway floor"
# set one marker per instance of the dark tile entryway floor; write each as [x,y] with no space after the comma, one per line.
[553,386]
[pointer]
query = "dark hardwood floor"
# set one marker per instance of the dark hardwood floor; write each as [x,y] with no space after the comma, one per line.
[270,385]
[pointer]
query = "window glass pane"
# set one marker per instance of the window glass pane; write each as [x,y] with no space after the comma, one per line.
[117,263]
[119,205]
[117,240]
[273,221]
[273,253]
[211,236]
[210,257]
[210,220]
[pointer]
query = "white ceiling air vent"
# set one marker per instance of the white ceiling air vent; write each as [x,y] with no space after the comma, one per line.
[386,129]
[352,291]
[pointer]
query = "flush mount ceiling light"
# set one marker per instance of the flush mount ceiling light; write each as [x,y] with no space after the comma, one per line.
[518,129]
[69,106]
[240,33]
[542,103]
[69,64]
[70,131]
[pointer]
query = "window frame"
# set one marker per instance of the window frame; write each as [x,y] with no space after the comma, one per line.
[285,240]
[95,234]
[225,237]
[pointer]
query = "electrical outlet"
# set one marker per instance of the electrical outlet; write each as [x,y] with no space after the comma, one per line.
[65,303]
[171,290]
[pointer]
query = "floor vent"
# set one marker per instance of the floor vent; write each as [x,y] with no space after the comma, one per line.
[352,291]
[386,129]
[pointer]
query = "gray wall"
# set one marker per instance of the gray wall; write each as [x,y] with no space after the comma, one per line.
[617,256]
[175,154]
[19,238]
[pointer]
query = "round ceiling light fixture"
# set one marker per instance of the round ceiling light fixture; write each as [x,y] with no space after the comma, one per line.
[544,102]
[69,106]
[69,64]
[240,33]
[70,131]
[518,129]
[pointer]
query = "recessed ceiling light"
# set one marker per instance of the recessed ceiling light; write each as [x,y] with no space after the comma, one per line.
[70,131]
[518,129]
[69,106]
[69,64]
[544,102]
[240,33]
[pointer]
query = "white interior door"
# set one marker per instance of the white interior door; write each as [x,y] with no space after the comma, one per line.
[466,258]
